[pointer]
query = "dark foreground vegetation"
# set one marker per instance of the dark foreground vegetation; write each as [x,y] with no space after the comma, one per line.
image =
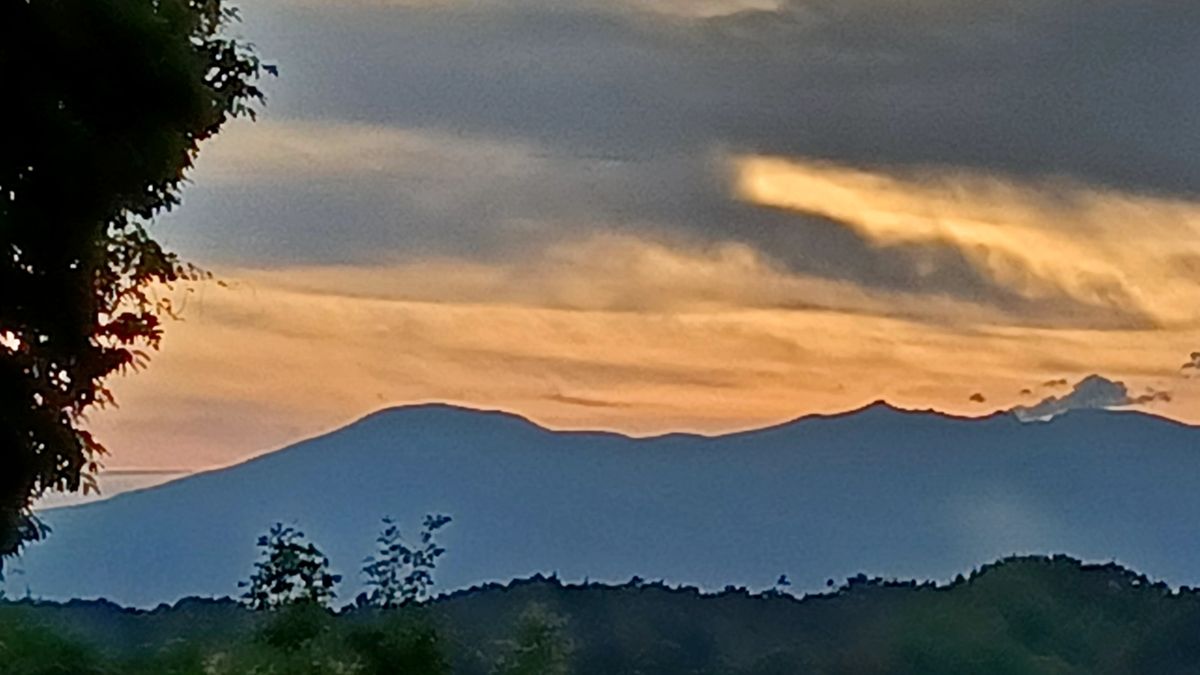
[1022,615]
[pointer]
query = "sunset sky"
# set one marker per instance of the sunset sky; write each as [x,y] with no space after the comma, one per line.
[684,215]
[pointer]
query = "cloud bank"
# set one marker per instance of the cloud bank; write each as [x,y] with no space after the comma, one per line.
[485,129]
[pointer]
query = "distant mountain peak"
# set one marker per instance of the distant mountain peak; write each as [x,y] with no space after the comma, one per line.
[439,409]
[882,405]
[884,408]
[444,415]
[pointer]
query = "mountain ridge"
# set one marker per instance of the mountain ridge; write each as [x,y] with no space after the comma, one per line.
[898,493]
[878,407]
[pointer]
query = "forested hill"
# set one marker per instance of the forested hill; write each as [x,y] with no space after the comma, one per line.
[1023,615]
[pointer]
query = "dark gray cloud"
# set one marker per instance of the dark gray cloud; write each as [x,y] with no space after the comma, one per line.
[630,107]
[1091,393]
[1098,89]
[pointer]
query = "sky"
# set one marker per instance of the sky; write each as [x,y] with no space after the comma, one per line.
[704,215]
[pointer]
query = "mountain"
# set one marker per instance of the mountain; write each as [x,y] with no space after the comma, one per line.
[879,490]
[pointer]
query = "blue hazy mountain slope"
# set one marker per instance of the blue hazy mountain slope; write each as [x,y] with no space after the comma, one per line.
[879,490]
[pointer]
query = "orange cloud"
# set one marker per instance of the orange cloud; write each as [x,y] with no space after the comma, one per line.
[667,338]
[1112,250]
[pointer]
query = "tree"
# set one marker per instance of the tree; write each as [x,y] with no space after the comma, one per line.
[540,647]
[108,102]
[290,571]
[400,574]
[401,645]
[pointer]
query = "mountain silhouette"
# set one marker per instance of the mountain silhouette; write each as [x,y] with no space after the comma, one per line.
[878,490]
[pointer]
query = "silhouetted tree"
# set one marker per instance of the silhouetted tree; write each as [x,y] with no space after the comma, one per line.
[400,574]
[106,103]
[291,571]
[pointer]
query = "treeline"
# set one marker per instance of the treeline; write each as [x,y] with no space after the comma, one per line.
[1022,615]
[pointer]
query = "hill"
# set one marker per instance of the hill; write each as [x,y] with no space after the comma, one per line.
[1023,615]
[887,491]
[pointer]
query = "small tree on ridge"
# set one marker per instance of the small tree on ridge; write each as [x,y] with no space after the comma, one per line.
[399,574]
[291,571]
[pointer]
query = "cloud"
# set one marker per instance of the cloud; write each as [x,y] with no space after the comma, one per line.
[625,273]
[1042,241]
[1153,395]
[485,129]
[584,401]
[274,151]
[360,194]
[675,8]
[289,352]
[1096,90]
[292,190]
[1091,393]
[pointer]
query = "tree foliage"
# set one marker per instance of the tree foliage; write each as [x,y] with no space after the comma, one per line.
[399,574]
[291,571]
[107,103]
[540,646]
[399,646]
[1029,615]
